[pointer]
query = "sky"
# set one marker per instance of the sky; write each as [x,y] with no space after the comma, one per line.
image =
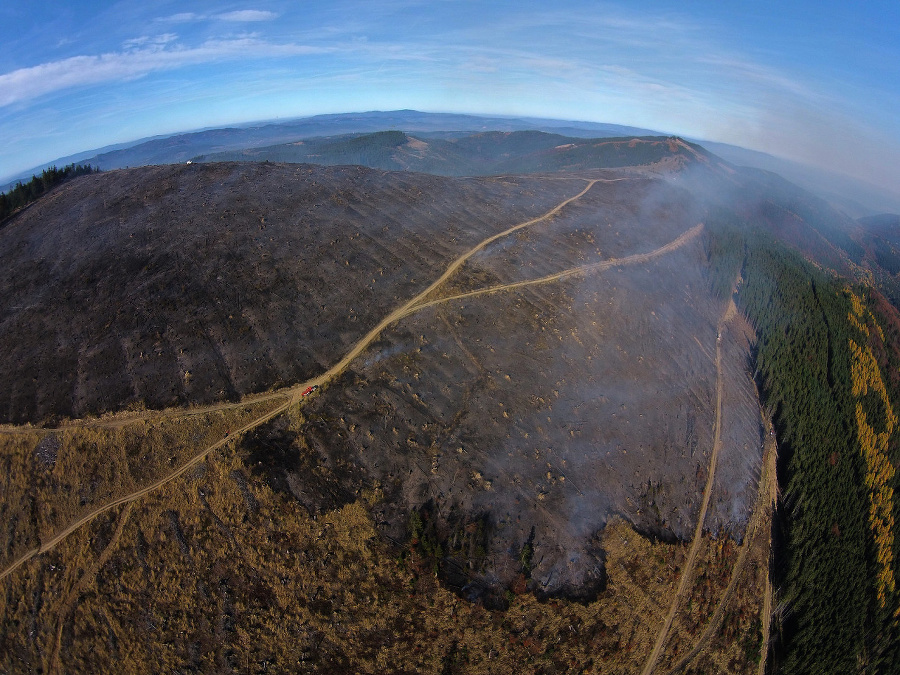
[815,82]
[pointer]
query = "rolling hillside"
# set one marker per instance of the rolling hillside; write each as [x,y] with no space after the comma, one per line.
[268,415]
[489,153]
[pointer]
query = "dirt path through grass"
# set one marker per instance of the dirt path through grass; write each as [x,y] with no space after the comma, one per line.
[762,514]
[87,579]
[125,499]
[688,568]
[766,627]
[771,496]
[122,419]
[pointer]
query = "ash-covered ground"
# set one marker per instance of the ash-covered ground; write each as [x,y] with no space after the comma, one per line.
[505,428]
[534,414]
[176,285]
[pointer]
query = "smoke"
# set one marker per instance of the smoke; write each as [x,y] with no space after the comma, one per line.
[553,407]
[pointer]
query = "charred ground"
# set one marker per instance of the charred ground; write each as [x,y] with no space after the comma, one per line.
[191,284]
[539,411]
[499,441]
[550,408]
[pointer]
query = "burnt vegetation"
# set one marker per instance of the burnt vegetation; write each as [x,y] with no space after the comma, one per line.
[193,284]
[499,482]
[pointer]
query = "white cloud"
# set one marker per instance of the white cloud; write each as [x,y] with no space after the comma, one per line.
[148,56]
[482,64]
[148,40]
[247,15]
[237,16]
[182,17]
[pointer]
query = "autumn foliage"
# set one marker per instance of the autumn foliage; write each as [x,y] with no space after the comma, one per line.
[874,446]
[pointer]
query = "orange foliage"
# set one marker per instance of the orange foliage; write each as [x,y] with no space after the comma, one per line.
[879,470]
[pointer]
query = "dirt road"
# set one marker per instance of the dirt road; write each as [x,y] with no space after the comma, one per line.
[636,259]
[687,570]
[122,419]
[771,496]
[762,515]
[417,302]
[291,394]
[62,534]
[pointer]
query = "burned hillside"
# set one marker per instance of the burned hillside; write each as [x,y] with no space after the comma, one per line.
[546,409]
[476,391]
[179,285]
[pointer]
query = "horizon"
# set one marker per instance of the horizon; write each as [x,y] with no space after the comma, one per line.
[767,78]
[89,152]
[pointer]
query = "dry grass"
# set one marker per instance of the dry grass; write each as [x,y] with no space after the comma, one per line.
[215,572]
[52,479]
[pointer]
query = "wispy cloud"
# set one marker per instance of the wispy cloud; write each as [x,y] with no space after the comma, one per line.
[745,70]
[246,15]
[149,41]
[181,17]
[141,57]
[237,16]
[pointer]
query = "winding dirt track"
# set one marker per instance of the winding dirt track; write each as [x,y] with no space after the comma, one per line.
[62,534]
[416,303]
[86,580]
[636,259]
[293,394]
[687,570]
[765,500]
[119,420]
[399,313]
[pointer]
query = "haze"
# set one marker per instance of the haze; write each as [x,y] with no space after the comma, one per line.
[814,82]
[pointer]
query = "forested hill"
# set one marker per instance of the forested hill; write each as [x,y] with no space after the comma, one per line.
[25,193]
[488,153]
[828,366]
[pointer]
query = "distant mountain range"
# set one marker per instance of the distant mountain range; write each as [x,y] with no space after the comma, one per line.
[480,154]
[182,147]
[853,197]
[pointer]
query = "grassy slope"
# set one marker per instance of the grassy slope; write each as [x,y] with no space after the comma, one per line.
[218,572]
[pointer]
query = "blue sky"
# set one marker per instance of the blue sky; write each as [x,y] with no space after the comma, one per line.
[817,82]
